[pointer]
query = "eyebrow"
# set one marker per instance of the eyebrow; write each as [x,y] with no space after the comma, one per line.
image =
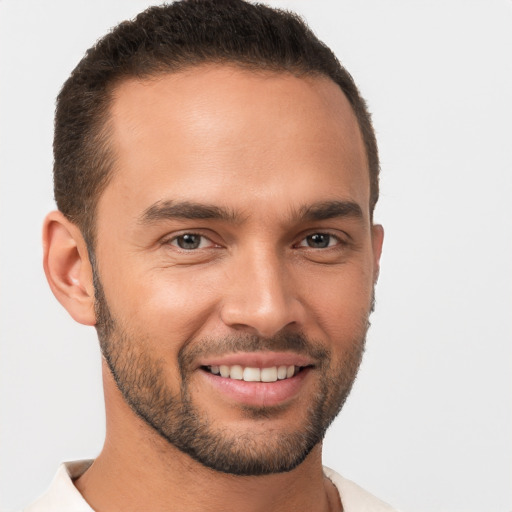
[167,210]
[330,210]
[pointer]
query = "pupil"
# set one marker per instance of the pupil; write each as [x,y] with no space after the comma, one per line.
[189,241]
[318,240]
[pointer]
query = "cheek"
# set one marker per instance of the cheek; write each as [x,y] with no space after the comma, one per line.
[340,301]
[162,303]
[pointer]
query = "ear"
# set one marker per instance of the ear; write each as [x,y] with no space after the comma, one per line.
[377,241]
[67,267]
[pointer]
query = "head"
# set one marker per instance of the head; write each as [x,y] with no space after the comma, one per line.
[216,173]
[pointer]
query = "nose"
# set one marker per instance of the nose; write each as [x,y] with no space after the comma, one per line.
[261,297]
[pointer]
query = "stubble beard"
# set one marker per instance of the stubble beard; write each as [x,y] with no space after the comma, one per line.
[141,380]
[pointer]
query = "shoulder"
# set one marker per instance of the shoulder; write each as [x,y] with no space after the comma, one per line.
[355,498]
[62,495]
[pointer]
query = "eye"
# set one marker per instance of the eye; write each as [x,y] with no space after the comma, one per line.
[191,241]
[319,241]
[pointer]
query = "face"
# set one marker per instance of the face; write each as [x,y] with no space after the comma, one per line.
[235,262]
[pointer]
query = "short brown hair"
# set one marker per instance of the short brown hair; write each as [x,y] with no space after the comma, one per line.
[166,39]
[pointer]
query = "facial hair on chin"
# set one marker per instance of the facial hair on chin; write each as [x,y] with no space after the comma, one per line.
[141,380]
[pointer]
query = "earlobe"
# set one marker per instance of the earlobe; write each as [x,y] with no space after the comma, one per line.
[67,267]
[377,241]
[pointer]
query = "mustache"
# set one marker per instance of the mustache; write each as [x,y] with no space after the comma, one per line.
[297,343]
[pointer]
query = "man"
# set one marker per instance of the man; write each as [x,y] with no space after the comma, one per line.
[216,173]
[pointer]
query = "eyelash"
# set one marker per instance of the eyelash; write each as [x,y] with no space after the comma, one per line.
[174,241]
[331,236]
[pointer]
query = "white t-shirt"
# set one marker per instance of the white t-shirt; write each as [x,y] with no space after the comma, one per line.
[63,496]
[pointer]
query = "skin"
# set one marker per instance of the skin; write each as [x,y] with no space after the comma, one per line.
[263,146]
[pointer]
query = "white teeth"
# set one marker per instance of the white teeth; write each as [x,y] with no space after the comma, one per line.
[269,374]
[236,372]
[281,372]
[249,374]
[252,375]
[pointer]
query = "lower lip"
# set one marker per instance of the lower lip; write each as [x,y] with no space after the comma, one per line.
[259,394]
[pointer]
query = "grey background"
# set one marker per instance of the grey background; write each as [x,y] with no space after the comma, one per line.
[428,426]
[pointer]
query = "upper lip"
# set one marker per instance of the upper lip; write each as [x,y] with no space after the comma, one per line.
[257,359]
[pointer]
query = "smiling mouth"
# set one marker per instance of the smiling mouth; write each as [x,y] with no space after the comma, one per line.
[251,374]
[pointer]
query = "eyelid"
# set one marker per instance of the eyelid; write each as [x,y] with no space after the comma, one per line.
[340,239]
[168,240]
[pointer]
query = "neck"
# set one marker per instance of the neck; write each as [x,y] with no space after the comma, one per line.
[138,470]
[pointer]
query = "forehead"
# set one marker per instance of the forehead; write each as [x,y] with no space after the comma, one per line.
[212,131]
